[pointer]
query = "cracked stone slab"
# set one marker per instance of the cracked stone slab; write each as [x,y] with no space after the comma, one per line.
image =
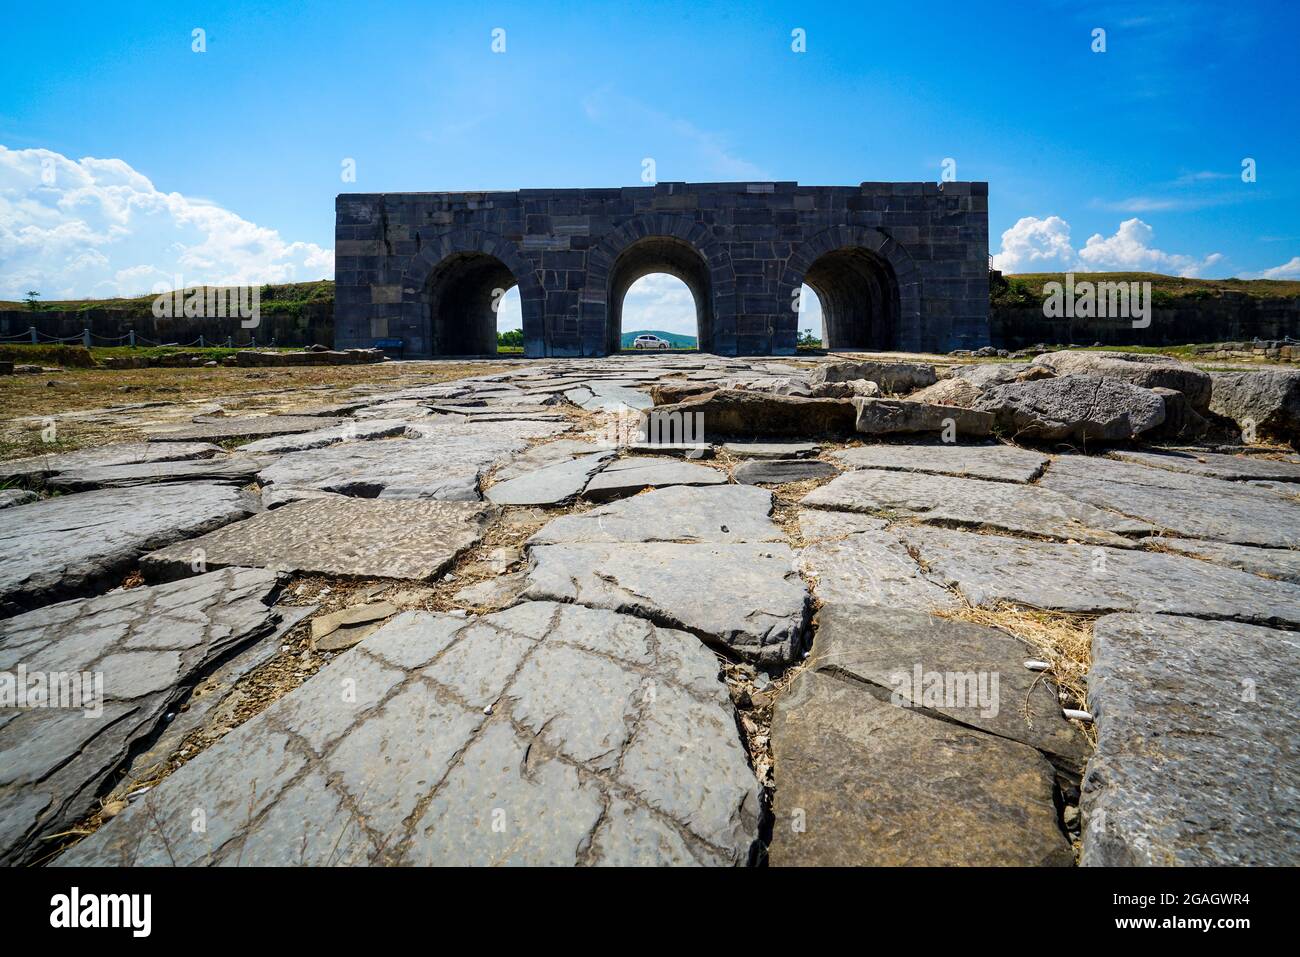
[945,499]
[72,544]
[1188,505]
[1196,744]
[860,782]
[227,469]
[745,597]
[679,513]
[351,430]
[989,569]
[818,525]
[609,397]
[546,453]
[780,471]
[1282,563]
[549,484]
[445,463]
[121,453]
[1234,468]
[630,475]
[968,673]
[336,536]
[999,463]
[141,649]
[250,427]
[870,568]
[544,734]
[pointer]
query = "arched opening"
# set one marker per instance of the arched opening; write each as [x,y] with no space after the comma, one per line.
[660,254]
[463,294]
[811,323]
[660,305]
[858,294]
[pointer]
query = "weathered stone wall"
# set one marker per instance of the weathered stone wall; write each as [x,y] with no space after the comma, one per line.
[313,324]
[899,265]
[1230,318]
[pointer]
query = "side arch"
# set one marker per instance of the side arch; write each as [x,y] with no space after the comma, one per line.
[904,278]
[660,242]
[467,256]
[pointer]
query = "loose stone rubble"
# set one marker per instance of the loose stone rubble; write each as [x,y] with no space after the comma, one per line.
[786,627]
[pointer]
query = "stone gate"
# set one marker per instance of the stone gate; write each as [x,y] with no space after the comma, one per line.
[896,266]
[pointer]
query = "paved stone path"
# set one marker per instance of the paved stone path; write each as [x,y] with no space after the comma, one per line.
[745,648]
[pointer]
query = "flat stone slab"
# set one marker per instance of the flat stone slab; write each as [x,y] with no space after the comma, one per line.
[1281,563]
[816,525]
[1234,468]
[780,471]
[961,671]
[549,484]
[121,453]
[544,735]
[546,453]
[999,463]
[447,464]
[336,536]
[945,499]
[870,568]
[73,544]
[744,597]
[684,450]
[1188,505]
[352,430]
[251,427]
[227,469]
[1196,744]
[128,657]
[630,475]
[679,513]
[989,569]
[860,782]
[770,450]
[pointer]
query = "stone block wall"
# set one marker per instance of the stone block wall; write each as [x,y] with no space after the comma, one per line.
[896,265]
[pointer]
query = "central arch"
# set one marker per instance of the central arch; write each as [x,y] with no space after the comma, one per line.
[661,243]
[451,291]
[660,254]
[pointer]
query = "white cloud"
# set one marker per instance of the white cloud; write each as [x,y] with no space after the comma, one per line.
[659,301]
[1288,270]
[97,227]
[1035,245]
[1043,245]
[1130,250]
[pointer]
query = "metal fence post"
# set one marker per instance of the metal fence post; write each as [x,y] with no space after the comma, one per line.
[85,337]
[130,334]
[33,331]
[200,340]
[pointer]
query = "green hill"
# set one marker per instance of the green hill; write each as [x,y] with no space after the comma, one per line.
[679,341]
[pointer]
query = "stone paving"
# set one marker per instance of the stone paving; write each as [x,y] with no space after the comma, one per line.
[802,637]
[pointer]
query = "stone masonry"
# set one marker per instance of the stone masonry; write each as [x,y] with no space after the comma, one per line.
[897,266]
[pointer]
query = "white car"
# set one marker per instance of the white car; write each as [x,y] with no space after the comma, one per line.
[650,342]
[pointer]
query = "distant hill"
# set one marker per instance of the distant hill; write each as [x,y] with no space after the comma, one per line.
[679,341]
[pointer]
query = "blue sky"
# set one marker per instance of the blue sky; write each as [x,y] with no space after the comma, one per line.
[223,165]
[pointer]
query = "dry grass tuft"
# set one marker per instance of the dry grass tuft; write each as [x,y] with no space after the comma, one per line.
[1062,640]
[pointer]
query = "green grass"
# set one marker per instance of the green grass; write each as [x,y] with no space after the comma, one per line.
[1027,288]
[284,297]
